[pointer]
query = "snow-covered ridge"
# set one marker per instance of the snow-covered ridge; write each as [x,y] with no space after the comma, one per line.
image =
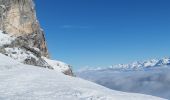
[25,82]
[136,65]
[59,66]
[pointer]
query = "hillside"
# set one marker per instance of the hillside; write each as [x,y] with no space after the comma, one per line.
[19,81]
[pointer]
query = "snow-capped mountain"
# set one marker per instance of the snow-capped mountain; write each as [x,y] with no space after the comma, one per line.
[147,77]
[143,65]
[26,82]
[164,62]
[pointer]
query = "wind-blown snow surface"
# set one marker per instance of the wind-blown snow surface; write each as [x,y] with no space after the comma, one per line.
[24,82]
[152,81]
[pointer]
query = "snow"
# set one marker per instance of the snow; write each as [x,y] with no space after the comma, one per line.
[15,52]
[5,39]
[150,63]
[57,65]
[7,63]
[25,82]
[19,54]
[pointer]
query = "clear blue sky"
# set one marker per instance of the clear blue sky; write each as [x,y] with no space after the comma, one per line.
[99,33]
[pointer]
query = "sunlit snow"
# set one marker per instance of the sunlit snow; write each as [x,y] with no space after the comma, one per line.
[24,82]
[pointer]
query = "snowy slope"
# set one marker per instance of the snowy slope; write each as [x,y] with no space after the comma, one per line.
[24,82]
[7,63]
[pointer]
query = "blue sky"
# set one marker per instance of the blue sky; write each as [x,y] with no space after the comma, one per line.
[99,33]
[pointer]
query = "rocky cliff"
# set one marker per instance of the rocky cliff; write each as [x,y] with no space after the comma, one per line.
[19,23]
[18,18]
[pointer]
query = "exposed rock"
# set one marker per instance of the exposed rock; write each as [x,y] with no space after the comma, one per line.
[18,18]
[69,72]
[40,62]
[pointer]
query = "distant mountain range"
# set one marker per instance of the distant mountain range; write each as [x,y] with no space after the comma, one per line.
[148,77]
[139,65]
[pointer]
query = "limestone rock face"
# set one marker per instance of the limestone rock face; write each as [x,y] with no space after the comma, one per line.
[18,18]
[22,38]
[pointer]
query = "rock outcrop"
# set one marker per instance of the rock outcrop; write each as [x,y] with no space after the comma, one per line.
[18,18]
[27,41]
